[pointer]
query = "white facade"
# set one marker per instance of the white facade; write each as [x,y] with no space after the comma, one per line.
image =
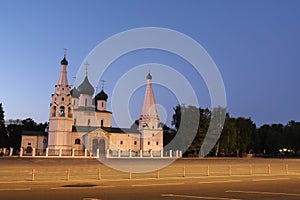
[86,124]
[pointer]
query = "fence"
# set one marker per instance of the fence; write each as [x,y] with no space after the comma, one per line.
[96,154]
[101,172]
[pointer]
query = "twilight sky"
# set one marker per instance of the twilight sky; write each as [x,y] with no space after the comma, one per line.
[255,45]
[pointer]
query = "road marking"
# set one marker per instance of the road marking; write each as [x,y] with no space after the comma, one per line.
[157,184]
[270,179]
[75,188]
[90,199]
[267,193]
[229,181]
[196,197]
[14,189]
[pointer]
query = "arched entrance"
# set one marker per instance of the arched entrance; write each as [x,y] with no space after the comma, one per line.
[29,150]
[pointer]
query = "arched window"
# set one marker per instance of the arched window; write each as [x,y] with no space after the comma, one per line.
[102,122]
[148,142]
[121,142]
[62,111]
[88,122]
[102,104]
[157,143]
[75,120]
[85,103]
[77,141]
[62,99]
[135,142]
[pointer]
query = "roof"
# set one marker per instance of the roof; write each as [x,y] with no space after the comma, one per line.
[101,96]
[75,93]
[107,129]
[120,130]
[86,87]
[34,133]
[64,61]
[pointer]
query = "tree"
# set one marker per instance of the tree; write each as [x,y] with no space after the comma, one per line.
[3,133]
[15,128]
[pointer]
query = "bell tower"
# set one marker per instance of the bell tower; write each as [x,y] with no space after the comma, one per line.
[61,113]
[151,132]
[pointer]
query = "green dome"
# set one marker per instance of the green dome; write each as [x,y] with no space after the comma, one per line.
[86,87]
[75,93]
[101,96]
[64,61]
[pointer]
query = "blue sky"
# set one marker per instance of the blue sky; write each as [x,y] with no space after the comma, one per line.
[255,45]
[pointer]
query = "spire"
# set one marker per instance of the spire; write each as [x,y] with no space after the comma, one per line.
[63,80]
[149,112]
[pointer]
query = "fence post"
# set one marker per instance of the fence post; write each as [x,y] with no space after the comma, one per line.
[269,169]
[119,153]
[73,152]
[130,153]
[4,151]
[99,173]
[47,152]
[141,153]
[32,172]
[287,169]
[170,153]
[207,170]
[68,174]
[229,170]
[151,153]
[21,152]
[250,170]
[162,153]
[85,152]
[11,151]
[107,153]
[60,152]
[33,152]
[98,153]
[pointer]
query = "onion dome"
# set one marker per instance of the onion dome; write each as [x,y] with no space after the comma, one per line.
[64,61]
[101,96]
[86,87]
[75,93]
[149,77]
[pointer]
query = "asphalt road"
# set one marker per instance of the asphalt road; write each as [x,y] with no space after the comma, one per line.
[148,187]
[219,188]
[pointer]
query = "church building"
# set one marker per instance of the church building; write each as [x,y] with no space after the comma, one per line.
[79,121]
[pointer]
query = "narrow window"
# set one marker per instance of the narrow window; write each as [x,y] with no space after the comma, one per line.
[148,142]
[85,102]
[157,143]
[62,99]
[89,122]
[121,142]
[102,122]
[135,142]
[75,120]
[102,104]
